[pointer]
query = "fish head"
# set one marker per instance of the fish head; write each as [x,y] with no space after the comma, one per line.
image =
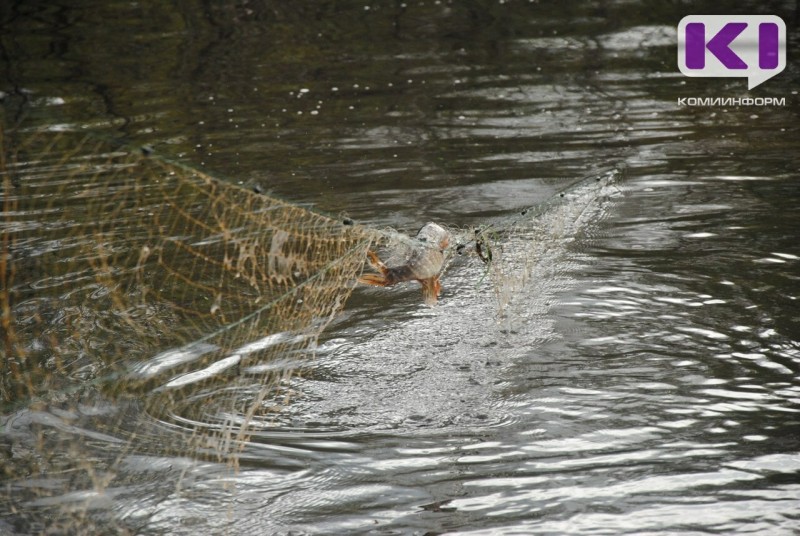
[434,234]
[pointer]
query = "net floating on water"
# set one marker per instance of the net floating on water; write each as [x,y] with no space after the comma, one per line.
[150,308]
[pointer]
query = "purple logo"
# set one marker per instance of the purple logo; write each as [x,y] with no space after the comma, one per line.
[751,46]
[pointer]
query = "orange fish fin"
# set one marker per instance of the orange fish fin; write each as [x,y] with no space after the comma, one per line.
[376,280]
[431,288]
[376,262]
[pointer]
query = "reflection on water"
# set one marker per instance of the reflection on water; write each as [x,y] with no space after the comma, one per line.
[640,377]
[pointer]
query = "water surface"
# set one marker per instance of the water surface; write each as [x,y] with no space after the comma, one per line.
[640,378]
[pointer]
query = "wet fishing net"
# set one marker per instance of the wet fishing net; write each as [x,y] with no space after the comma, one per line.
[151,312]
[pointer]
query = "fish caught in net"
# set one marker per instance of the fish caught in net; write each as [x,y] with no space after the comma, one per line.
[423,263]
[150,309]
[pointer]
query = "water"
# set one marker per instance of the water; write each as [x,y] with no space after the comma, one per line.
[642,377]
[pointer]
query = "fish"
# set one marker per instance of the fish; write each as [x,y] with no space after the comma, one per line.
[424,264]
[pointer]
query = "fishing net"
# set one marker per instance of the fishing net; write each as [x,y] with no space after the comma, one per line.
[151,311]
[532,243]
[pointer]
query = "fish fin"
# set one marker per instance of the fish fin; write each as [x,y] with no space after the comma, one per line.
[431,288]
[376,280]
[376,262]
[383,279]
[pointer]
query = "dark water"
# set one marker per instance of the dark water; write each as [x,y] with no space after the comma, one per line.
[642,379]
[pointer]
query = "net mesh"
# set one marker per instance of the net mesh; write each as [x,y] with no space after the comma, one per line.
[133,286]
[151,309]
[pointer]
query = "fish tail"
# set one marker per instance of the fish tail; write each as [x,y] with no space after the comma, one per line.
[387,276]
[376,262]
[376,280]
[383,279]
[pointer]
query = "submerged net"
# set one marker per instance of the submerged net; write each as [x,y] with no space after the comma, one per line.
[532,243]
[142,298]
[151,310]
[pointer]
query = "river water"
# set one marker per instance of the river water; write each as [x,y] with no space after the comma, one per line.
[642,377]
